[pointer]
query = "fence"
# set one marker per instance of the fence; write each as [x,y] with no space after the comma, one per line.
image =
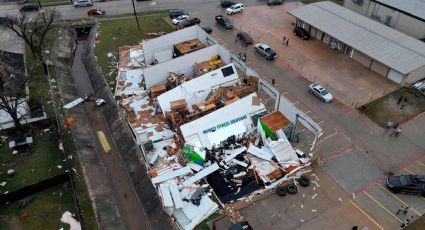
[34,188]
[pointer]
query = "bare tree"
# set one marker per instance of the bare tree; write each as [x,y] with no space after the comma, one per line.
[33,29]
[13,95]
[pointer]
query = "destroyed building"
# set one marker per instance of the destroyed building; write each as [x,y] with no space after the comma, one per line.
[204,129]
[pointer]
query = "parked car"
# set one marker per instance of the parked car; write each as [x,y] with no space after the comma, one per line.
[96,12]
[189,22]
[174,13]
[245,38]
[224,21]
[233,9]
[78,3]
[265,51]
[180,19]
[4,20]
[414,184]
[207,29]
[226,3]
[29,7]
[321,92]
[302,33]
[274,2]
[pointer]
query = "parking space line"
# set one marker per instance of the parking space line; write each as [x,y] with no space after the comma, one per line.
[414,210]
[420,163]
[326,138]
[382,206]
[407,170]
[367,215]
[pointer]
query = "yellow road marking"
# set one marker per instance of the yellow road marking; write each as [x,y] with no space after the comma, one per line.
[367,215]
[420,163]
[382,206]
[409,171]
[399,199]
[103,141]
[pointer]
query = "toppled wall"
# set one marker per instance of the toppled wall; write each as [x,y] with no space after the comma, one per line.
[127,148]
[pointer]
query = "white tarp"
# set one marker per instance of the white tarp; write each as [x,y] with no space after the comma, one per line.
[259,153]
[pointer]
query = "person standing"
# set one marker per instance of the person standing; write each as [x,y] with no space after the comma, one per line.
[400,99]
[406,210]
[394,129]
[388,126]
[273,81]
[396,134]
[284,39]
[287,42]
[405,223]
[399,210]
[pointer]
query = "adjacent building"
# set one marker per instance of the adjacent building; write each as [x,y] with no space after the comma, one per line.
[386,51]
[407,16]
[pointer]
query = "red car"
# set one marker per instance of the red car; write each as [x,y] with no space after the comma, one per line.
[96,12]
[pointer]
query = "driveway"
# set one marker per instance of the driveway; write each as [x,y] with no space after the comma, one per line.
[350,82]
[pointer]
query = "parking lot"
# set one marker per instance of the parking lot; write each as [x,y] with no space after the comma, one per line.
[313,59]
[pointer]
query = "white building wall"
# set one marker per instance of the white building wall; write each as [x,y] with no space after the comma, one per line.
[166,42]
[399,21]
[158,74]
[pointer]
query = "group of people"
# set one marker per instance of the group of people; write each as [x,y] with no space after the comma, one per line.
[402,101]
[396,129]
[242,56]
[403,211]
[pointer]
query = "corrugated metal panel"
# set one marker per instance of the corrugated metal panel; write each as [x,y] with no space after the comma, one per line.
[413,7]
[386,45]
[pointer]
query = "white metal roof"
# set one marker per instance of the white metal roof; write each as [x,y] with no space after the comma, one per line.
[413,7]
[388,46]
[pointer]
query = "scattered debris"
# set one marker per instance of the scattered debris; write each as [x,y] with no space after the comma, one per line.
[3,183]
[314,196]
[68,218]
[59,166]
[11,172]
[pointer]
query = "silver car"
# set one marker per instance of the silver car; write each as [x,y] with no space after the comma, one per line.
[321,92]
[78,3]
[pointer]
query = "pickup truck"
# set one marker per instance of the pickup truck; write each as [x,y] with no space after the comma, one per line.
[265,51]
[224,21]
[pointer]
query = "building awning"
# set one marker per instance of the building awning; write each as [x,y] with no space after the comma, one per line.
[384,44]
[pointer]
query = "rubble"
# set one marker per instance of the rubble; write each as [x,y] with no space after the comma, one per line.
[205,133]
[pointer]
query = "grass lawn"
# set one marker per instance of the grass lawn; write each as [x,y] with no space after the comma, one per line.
[32,167]
[119,32]
[386,108]
[52,2]
[45,210]
[340,2]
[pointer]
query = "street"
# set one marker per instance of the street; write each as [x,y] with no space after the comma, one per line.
[354,151]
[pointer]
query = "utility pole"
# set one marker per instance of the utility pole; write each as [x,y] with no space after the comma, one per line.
[135,15]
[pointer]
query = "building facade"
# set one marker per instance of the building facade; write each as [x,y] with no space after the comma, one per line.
[381,49]
[406,16]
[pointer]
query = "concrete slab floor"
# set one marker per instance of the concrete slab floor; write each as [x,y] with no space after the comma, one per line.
[312,207]
[349,81]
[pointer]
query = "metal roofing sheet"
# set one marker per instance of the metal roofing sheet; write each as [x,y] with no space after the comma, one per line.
[386,45]
[413,7]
